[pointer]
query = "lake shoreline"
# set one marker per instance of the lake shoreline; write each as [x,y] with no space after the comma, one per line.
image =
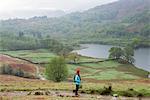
[86,48]
[107,59]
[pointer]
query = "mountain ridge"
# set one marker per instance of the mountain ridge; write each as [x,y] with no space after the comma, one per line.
[124,19]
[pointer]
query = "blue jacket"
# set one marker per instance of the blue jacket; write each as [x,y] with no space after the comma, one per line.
[77,80]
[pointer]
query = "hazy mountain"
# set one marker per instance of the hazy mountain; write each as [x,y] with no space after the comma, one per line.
[28,13]
[115,10]
[124,18]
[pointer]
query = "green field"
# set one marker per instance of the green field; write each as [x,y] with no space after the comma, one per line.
[98,71]
[107,70]
[40,55]
[125,79]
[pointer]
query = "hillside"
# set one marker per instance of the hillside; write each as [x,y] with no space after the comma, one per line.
[120,9]
[32,89]
[126,80]
[17,67]
[118,21]
[96,70]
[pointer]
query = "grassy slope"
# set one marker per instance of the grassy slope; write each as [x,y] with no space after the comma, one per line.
[10,83]
[108,70]
[89,71]
[95,76]
[14,66]
[41,55]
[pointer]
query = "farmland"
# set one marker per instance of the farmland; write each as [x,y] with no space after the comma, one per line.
[107,70]
[40,55]
[125,79]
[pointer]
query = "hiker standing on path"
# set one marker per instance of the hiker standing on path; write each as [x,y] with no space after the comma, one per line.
[77,80]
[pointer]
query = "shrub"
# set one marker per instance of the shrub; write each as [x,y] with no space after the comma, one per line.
[57,70]
[19,73]
[107,91]
[129,93]
[6,69]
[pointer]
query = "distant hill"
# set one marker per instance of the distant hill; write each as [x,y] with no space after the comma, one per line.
[121,20]
[28,13]
[42,12]
[119,9]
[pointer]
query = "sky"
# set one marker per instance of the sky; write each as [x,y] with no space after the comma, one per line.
[29,8]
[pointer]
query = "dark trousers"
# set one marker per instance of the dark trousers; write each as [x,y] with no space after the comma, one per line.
[77,88]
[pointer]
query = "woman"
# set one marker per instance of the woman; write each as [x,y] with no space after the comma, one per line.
[77,80]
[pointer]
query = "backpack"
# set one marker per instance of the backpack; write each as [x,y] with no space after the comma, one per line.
[75,77]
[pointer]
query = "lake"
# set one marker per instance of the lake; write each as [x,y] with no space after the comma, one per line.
[141,55]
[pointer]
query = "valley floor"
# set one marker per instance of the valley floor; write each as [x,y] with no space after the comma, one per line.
[128,82]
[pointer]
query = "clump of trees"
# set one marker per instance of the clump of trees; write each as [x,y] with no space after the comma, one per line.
[73,57]
[64,51]
[22,42]
[126,54]
[115,53]
[57,70]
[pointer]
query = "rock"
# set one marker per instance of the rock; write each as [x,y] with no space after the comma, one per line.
[47,93]
[60,95]
[29,93]
[38,93]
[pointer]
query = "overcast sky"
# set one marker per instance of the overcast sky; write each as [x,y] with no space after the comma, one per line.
[20,8]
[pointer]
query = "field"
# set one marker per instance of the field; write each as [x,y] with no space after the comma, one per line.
[109,70]
[103,70]
[10,86]
[126,80]
[39,56]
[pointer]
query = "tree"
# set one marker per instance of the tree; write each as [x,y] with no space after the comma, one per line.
[57,70]
[145,31]
[128,54]
[115,53]
[21,34]
[136,42]
[73,57]
[64,52]
[125,54]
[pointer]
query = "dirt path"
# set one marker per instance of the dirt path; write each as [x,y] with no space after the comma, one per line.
[64,94]
[38,73]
